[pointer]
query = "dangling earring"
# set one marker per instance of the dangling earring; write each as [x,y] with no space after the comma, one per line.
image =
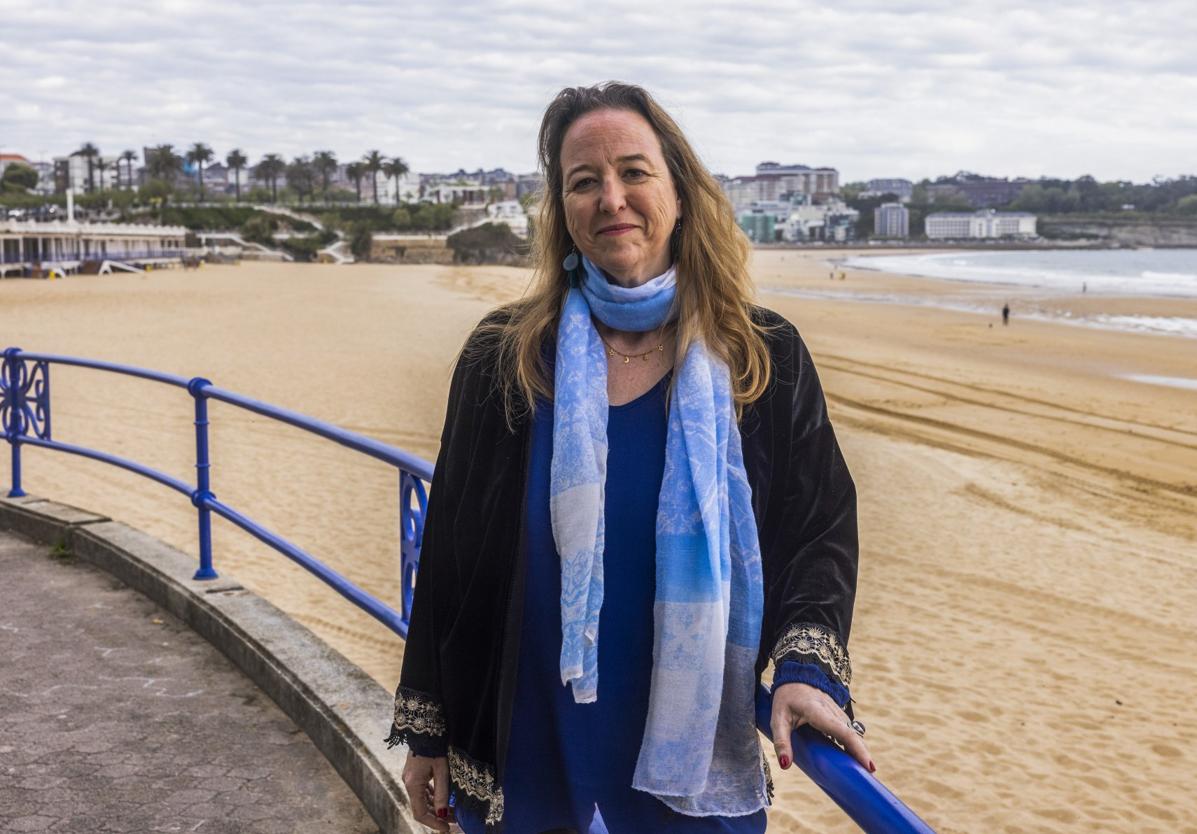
[571,260]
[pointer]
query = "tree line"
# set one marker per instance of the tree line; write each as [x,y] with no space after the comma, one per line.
[307,176]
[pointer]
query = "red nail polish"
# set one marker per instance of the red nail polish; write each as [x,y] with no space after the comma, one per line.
[872,768]
[784,761]
[441,813]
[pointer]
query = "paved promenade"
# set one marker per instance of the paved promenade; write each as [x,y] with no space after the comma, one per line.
[114,716]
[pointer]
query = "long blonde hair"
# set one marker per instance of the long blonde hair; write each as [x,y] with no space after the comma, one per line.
[714,289]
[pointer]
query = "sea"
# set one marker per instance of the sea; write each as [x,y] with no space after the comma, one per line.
[1142,273]
[1137,272]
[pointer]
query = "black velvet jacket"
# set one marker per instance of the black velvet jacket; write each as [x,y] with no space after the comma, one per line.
[457,687]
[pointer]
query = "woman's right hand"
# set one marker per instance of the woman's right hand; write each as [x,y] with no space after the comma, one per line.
[427,783]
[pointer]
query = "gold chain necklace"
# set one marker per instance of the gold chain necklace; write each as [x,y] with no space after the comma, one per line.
[628,357]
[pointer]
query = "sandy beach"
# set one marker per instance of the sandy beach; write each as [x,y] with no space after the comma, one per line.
[1025,641]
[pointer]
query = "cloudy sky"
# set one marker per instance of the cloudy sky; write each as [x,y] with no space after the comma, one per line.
[908,88]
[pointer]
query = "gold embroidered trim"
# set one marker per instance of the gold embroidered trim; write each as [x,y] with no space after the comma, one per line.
[811,639]
[417,713]
[478,781]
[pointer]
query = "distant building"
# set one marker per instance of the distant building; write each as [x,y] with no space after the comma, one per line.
[390,191]
[760,226]
[984,224]
[891,220]
[798,220]
[460,193]
[510,213]
[45,177]
[902,189]
[70,172]
[774,181]
[218,179]
[528,184]
[32,248]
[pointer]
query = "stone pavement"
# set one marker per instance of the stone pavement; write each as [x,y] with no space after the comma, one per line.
[114,716]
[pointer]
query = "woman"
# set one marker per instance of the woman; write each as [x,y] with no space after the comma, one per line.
[638,502]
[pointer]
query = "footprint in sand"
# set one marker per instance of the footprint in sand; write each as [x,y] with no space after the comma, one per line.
[1166,750]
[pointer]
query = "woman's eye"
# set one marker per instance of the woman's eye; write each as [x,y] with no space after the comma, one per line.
[635,173]
[583,182]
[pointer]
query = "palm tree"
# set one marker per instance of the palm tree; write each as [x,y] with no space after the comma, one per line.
[128,157]
[90,152]
[395,169]
[373,163]
[325,163]
[270,169]
[355,171]
[236,161]
[163,163]
[301,176]
[197,156]
[100,166]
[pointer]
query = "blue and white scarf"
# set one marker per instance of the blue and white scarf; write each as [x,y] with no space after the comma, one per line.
[700,754]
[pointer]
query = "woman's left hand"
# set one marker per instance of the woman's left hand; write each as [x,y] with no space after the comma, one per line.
[795,704]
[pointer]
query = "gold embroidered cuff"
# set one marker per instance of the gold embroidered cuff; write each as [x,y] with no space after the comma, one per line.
[418,713]
[478,783]
[815,644]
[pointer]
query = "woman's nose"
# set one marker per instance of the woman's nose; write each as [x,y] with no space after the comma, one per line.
[613,197]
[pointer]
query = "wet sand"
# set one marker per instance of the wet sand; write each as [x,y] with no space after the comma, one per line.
[1027,613]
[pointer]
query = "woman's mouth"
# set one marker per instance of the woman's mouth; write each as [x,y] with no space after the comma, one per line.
[617,229]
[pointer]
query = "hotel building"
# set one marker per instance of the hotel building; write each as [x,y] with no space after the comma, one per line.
[984,224]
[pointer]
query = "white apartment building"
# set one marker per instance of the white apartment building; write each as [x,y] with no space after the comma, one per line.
[983,224]
[891,220]
[70,173]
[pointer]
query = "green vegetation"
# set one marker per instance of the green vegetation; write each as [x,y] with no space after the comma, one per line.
[409,217]
[305,248]
[1081,199]
[259,228]
[218,218]
[490,243]
[360,241]
[18,176]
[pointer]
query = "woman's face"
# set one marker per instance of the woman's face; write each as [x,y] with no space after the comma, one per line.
[620,201]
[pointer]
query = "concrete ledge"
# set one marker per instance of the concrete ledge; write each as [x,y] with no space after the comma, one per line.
[341,708]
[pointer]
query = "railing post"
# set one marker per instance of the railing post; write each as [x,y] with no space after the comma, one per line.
[14,412]
[202,482]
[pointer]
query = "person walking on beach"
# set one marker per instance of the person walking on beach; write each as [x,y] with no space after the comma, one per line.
[1005,314]
[639,501]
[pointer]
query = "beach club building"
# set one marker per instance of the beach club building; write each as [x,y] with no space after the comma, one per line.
[984,224]
[29,248]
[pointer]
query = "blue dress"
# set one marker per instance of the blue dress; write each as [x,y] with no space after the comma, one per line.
[570,766]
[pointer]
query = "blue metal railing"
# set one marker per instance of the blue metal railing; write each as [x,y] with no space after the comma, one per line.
[25,421]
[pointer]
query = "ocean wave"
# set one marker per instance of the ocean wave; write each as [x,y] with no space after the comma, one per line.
[1151,325]
[1157,273]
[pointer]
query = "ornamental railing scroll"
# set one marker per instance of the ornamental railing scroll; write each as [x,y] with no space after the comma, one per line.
[24,406]
[25,420]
